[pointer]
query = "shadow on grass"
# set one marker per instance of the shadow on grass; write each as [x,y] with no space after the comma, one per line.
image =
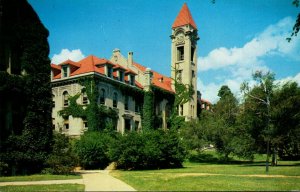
[211,159]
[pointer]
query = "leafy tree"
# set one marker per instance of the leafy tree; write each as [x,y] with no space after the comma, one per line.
[92,150]
[286,121]
[296,26]
[258,105]
[62,159]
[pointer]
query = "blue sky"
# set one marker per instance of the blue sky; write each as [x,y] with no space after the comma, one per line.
[237,37]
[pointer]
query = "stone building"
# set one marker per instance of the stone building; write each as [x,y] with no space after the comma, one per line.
[121,73]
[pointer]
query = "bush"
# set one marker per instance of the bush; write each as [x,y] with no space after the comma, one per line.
[3,168]
[148,150]
[92,150]
[62,160]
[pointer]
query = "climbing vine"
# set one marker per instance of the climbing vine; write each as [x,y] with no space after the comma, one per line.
[148,111]
[96,115]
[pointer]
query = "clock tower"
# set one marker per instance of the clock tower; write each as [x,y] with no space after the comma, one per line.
[184,58]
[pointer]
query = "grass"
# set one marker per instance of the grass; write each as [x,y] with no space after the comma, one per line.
[38,178]
[55,187]
[237,175]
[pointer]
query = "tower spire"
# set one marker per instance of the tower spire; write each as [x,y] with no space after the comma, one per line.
[184,17]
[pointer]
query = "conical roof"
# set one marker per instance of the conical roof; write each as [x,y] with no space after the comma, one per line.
[184,17]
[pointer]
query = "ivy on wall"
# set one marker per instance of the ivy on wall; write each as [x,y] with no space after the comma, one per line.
[148,111]
[26,38]
[96,115]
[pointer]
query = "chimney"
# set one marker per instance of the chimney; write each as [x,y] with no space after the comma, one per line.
[130,58]
[116,54]
[147,79]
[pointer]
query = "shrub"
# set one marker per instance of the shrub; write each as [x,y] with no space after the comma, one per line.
[92,150]
[148,150]
[62,160]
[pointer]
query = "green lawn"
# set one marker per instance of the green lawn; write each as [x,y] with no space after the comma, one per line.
[54,187]
[38,178]
[213,176]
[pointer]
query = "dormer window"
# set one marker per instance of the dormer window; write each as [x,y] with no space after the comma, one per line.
[109,71]
[121,75]
[131,79]
[65,70]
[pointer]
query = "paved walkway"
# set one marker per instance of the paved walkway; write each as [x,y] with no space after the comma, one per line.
[96,180]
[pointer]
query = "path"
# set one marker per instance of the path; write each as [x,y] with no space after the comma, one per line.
[102,181]
[93,180]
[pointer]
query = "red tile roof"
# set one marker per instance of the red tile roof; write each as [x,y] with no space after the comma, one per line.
[76,64]
[164,84]
[94,64]
[184,17]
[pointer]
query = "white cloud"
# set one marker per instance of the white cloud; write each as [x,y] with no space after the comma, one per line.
[296,78]
[271,41]
[238,64]
[65,54]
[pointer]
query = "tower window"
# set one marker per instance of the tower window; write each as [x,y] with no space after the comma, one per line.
[193,74]
[179,76]
[180,53]
[192,54]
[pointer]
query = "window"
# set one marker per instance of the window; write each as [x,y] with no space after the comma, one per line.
[192,53]
[180,53]
[121,75]
[53,101]
[126,102]
[136,125]
[65,70]
[181,109]
[109,71]
[66,99]
[66,126]
[193,74]
[85,124]
[84,99]
[179,76]
[131,80]
[115,100]
[127,124]
[137,107]
[102,96]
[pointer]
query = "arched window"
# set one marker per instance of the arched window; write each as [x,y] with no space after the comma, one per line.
[102,96]
[66,99]
[115,99]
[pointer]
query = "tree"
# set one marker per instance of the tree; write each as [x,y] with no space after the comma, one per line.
[225,112]
[258,98]
[296,26]
[286,121]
